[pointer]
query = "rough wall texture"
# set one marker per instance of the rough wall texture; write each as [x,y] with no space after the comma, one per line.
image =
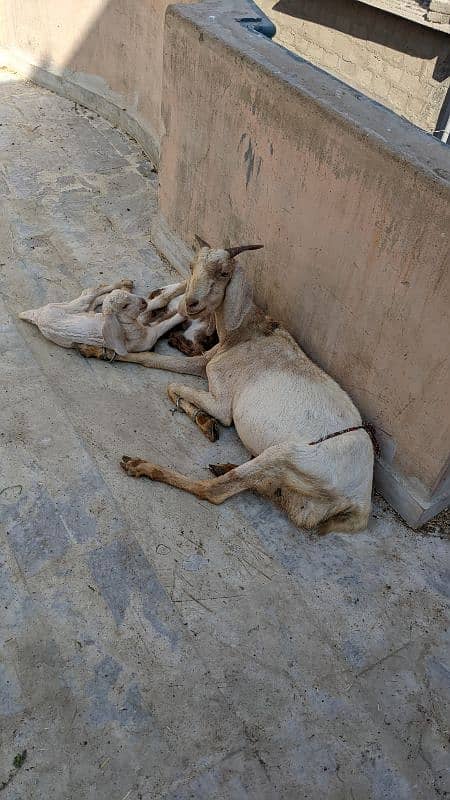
[399,63]
[356,237]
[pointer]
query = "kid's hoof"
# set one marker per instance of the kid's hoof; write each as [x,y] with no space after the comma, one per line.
[94,351]
[89,350]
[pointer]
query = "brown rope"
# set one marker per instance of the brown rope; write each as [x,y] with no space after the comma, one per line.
[365,427]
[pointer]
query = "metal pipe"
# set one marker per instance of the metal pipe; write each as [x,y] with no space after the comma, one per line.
[446,133]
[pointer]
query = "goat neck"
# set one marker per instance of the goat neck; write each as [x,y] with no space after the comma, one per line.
[237,306]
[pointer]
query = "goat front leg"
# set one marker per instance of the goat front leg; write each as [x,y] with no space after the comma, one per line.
[204,421]
[157,330]
[219,408]
[185,366]
[89,298]
[195,365]
[160,298]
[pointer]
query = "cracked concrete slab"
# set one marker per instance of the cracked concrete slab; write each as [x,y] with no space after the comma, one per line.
[154,646]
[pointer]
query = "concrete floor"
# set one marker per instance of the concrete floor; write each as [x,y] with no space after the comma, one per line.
[152,645]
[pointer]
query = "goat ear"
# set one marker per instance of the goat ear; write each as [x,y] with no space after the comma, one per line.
[113,334]
[199,243]
[234,251]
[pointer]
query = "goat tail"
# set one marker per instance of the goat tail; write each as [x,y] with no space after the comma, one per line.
[29,316]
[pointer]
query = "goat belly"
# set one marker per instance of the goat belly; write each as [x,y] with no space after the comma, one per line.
[276,407]
[258,416]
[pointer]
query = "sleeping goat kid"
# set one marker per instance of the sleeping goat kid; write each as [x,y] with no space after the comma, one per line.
[117,327]
[312,456]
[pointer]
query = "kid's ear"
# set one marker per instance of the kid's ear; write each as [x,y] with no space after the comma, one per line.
[113,334]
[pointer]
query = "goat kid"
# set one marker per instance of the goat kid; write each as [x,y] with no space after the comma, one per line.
[117,327]
[311,455]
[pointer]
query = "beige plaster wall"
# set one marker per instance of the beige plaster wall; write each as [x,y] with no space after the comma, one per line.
[356,237]
[112,47]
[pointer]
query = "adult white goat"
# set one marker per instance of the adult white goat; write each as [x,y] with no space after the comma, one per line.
[119,326]
[311,454]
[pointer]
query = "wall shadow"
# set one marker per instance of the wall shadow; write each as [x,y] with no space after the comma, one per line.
[372,24]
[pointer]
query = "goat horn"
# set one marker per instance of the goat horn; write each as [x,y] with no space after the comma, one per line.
[201,242]
[234,251]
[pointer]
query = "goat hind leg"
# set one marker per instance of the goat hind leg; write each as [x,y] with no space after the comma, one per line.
[260,473]
[204,490]
[221,469]
[100,292]
[90,298]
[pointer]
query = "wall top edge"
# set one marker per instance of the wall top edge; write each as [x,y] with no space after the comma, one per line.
[367,118]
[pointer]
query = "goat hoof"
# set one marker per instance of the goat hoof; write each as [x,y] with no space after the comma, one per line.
[221,469]
[132,466]
[207,425]
[93,351]
[172,394]
[127,284]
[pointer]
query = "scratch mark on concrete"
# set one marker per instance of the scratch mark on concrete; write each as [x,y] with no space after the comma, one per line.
[199,602]
[383,659]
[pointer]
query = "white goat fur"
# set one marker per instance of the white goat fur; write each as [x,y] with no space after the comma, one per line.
[279,400]
[118,327]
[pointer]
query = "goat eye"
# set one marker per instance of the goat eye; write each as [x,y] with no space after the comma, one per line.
[224,274]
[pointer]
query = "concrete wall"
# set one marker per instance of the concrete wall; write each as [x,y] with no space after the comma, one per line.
[351,202]
[93,51]
[400,63]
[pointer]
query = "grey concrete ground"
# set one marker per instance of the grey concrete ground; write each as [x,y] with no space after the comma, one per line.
[154,646]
